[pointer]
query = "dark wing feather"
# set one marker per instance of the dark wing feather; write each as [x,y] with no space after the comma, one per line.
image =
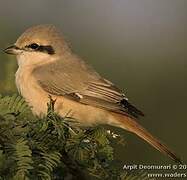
[77,81]
[105,94]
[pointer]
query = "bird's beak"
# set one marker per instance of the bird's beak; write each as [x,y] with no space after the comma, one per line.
[13,50]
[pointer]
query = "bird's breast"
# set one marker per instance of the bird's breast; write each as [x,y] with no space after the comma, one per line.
[37,98]
[30,90]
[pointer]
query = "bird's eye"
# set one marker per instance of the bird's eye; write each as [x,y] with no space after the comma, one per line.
[33,46]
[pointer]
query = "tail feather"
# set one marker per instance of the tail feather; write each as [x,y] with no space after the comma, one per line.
[132,126]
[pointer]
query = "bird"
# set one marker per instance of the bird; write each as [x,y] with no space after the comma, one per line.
[47,66]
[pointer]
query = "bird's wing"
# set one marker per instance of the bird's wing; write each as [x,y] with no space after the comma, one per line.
[77,81]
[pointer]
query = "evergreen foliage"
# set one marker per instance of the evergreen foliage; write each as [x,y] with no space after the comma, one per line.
[52,147]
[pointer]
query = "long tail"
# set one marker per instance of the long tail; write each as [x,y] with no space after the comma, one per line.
[131,125]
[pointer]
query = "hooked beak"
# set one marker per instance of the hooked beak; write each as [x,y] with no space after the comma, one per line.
[13,50]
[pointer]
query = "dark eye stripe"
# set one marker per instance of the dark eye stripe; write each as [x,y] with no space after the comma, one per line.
[46,49]
[33,46]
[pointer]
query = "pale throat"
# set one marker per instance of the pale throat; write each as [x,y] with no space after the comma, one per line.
[33,59]
[26,84]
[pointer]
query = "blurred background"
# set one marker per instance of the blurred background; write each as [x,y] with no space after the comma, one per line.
[140,45]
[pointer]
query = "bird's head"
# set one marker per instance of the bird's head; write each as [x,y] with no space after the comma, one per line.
[38,44]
